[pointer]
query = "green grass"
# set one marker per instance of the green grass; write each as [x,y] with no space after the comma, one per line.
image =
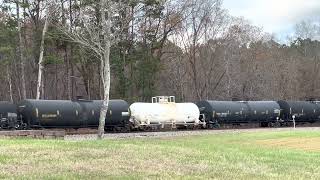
[265,155]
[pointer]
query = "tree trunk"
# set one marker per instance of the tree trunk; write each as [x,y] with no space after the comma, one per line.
[43,83]
[227,60]
[10,84]
[56,81]
[21,49]
[45,28]
[105,65]
[68,55]
[89,93]
[68,73]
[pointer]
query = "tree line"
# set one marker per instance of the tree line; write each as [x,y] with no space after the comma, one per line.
[192,49]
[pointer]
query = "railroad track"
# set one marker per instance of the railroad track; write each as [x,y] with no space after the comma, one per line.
[90,134]
[168,134]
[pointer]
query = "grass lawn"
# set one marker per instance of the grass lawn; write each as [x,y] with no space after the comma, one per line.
[265,155]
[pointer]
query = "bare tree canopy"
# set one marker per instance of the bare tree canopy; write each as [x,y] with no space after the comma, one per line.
[133,50]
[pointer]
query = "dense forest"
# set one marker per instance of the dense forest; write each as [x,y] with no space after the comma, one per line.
[192,49]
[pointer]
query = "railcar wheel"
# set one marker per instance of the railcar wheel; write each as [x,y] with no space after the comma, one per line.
[270,124]
[277,124]
[264,124]
[127,128]
[217,125]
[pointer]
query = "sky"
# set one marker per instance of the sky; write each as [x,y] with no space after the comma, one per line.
[275,16]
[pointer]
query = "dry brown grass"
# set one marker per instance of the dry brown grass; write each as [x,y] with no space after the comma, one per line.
[308,144]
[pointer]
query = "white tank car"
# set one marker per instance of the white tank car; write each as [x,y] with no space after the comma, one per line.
[163,110]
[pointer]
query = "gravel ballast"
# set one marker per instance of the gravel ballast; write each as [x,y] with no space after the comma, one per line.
[80,137]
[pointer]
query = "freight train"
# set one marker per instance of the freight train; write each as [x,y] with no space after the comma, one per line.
[161,113]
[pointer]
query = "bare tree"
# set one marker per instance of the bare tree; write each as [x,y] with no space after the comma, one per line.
[238,37]
[41,67]
[307,29]
[105,61]
[94,33]
[204,20]
[21,51]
